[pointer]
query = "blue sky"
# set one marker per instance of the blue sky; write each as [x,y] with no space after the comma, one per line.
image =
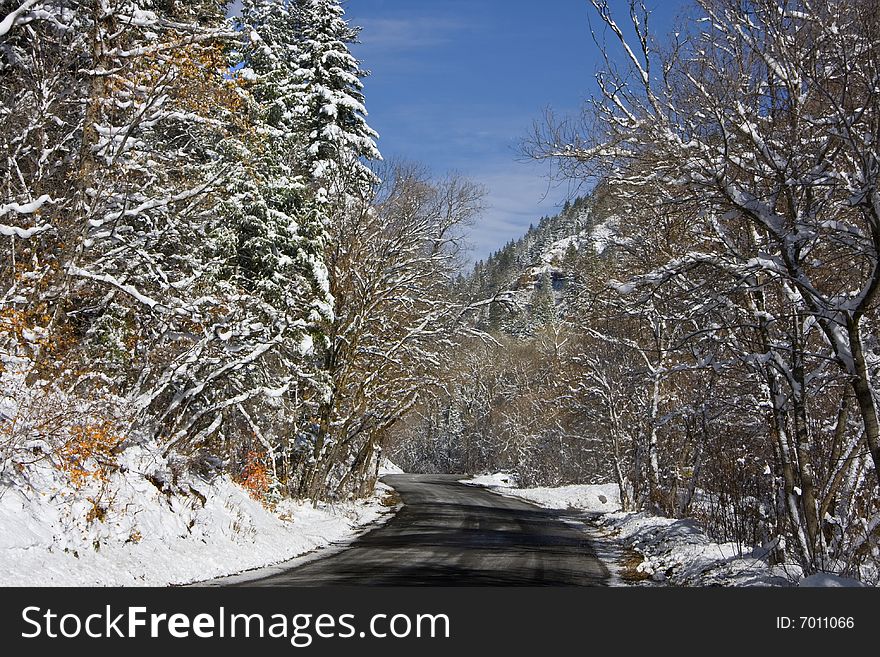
[457,84]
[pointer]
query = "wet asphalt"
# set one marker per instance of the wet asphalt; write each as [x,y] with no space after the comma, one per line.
[452,534]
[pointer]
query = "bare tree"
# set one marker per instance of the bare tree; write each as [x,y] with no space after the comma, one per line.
[392,264]
[759,120]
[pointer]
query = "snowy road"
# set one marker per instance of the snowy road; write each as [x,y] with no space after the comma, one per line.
[448,533]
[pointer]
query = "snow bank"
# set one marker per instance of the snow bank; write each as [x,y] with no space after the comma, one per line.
[679,552]
[495,480]
[601,498]
[84,503]
[148,526]
[389,468]
[827,580]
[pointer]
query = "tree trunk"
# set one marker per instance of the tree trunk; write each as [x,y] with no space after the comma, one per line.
[806,474]
[861,385]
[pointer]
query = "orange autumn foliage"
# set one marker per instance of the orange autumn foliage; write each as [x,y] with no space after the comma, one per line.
[255,477]
[89,452]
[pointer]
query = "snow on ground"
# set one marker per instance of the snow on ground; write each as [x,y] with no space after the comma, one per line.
[680,553]
[644,549]
[148,526]
[601,498]
[554,253]
[825,580]
[604,233]
[389,468]
[83,503]
[496,480]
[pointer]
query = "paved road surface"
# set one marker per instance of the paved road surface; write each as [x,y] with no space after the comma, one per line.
[449,534]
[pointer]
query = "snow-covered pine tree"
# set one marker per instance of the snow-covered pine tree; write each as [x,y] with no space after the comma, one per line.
[542,304]
[281,240]
[331,102]
[270,246]
[321,104]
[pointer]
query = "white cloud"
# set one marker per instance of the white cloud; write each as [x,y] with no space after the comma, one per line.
[395,34]
[519,195]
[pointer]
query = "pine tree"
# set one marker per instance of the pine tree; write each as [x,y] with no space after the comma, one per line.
[280,239]
[329,115]
[543,303]
[331,101]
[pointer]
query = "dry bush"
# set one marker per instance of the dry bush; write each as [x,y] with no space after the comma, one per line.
[42,423]
[90,452]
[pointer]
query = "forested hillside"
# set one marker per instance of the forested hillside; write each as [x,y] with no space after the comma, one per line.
[510,401]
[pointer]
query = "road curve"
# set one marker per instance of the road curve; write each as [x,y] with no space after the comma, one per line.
[450,534]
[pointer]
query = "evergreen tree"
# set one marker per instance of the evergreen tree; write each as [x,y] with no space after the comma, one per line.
[280,241]
[304,171]
[543,302]
[330,101]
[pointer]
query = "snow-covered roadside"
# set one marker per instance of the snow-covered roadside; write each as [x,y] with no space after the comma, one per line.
[386,467]
[595,498]
[644,549]
[149,525]
[680,553]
